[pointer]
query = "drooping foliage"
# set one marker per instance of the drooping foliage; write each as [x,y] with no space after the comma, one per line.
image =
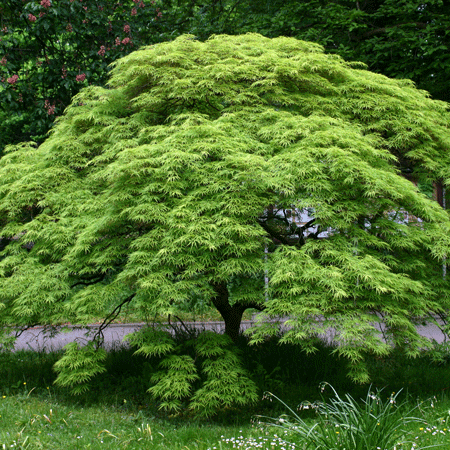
[245,171]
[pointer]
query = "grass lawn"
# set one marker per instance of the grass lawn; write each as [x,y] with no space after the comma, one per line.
[118,413]
[39,421]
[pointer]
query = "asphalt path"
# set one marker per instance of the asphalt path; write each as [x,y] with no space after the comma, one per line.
[38,340]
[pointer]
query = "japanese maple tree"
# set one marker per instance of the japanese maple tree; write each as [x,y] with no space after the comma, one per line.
[249,172]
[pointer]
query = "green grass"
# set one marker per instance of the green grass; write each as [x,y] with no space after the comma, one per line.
[117,412]
[31,421]
[34,422]
[376,422]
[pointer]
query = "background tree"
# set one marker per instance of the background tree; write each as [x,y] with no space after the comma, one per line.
[206,167]
[401,39]
[50,49]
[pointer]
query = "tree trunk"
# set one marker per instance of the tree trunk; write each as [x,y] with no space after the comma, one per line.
[232,315]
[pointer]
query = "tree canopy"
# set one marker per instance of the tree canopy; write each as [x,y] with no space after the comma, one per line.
[246,171]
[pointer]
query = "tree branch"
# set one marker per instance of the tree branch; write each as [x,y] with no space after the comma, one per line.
[188,331]
[88,282]
[273,234]
[22,330]
[306,225]
[98,336]
[250,305]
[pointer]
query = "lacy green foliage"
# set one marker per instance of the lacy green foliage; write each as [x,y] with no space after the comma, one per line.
[192,175]
[206,373]
[78,366]
[227,383]
[151,342]
[174,382]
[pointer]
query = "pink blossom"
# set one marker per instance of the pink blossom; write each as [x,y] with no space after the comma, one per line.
[42,14]
[50,108]
[13,79]
[117,41]
[85,8]
[126,41]
[64,72]
[31,18]
[3,61]
[5,29]
[141,4]
[102,50]
[126,28]
[69,28]
[133,11]
[46,3]
[81,77]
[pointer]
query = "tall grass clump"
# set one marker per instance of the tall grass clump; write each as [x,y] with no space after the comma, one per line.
[343,423]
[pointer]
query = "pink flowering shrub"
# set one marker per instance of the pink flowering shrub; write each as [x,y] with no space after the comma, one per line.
[52,74]
[13,79]
[49,108]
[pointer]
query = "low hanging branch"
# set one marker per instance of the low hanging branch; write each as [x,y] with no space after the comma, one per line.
[99,336]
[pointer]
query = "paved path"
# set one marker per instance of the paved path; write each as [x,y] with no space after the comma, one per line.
[35,338]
